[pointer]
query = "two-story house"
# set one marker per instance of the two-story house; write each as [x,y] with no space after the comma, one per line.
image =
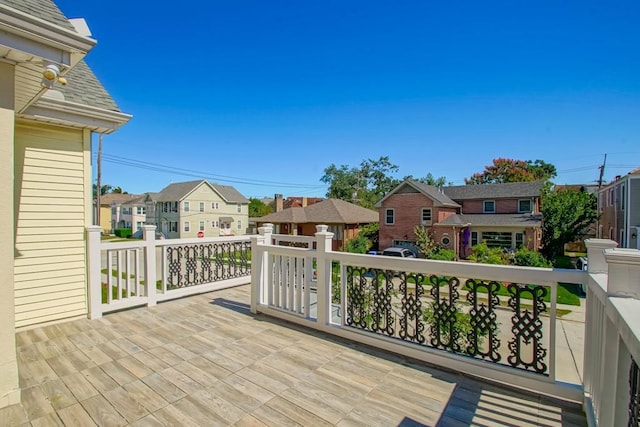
[199,209]
[619,207]
[459,217]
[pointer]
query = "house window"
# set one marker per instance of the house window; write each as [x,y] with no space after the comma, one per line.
[215,206]
[174,208]
[519,239]
[425,216]
[126,211]
[173,226]
[201,225]
[201,206]
[141,210]
[186,206]
[389,216]
[498,239]
[239,207]
[187,226]
[622,197]
[474,238]
[239,225]
[445,241]
[489,206]
[214,224]
[139,225]
[113,210]
[524,205]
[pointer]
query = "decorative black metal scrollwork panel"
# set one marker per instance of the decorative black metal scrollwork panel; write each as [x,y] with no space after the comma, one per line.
[462,316]
[634,395]
[196,264]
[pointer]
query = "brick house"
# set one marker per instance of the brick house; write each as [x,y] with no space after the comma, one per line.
[502,215]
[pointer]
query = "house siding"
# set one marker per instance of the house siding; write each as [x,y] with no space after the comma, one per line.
[408,210]
[52,184]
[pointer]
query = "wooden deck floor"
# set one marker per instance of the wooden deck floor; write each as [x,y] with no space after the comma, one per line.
[206,361]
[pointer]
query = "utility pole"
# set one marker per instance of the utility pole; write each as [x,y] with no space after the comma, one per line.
[99,183]
[602,171]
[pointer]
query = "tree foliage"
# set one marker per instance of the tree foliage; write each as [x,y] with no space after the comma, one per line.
[567,215]
[424,241]
[429,179]
[510,170]
[363,185]
[107,189]
[258,208]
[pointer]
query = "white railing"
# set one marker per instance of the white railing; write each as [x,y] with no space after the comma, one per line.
[144,272]
[610,391]
[364,298]
[612,336]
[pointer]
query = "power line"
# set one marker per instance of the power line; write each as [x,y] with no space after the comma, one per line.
[157,167]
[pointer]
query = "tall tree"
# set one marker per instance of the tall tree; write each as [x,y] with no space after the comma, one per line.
[258,208]
[510,170]
[566,217]
[430,179]
[363,185]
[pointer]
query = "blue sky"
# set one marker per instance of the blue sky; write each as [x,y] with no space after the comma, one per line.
[265,95]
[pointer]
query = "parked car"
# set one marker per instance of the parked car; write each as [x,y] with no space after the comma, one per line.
[398,252]
[582,263]
[138,235]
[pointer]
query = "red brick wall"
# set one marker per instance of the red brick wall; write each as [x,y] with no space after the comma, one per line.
[503,206]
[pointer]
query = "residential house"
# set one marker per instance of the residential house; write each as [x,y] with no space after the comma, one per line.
[343,219]
[502,215]
[199,209]
[619,207]
[279,203]
[109,210]
[50,105]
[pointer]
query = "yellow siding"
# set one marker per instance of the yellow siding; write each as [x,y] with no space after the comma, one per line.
[50,193]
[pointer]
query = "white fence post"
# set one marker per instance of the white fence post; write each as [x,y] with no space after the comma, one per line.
[94,267]
[595,250]
[149,237]
[258,265]
[323,266]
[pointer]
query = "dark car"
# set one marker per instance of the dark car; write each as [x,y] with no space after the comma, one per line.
[398,252]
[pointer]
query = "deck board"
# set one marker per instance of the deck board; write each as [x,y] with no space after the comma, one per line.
[205,360]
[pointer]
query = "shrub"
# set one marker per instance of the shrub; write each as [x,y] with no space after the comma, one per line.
[442,254]
[122,232]
[481,253]
[528,258]
[358,245]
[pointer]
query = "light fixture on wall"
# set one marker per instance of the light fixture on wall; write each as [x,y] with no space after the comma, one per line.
[50,75]
[634,235]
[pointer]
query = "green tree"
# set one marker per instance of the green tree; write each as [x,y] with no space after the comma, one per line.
[566,217]
[429,179]
[510,170]
[358,245]
[363,185]
[258,208]
[371,233]
[424,241]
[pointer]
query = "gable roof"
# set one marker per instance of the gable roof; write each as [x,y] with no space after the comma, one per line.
[43,9]
[433,193]
[179,190]
[108,199]
[85,88]
[330,211]
[495,191]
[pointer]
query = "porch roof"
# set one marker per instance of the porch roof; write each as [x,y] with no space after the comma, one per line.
[205,360]
[493,220]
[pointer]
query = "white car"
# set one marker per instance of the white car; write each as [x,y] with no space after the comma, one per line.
[398,252]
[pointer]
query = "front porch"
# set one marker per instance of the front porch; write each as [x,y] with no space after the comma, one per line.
[206,360]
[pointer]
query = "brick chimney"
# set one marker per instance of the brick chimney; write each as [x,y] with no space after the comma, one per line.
[304,202]
[279,202]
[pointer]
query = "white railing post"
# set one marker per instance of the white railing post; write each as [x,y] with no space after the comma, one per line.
[595,338]
[624,273]
[323,265]
[94,274]
[258,265]
[149,237]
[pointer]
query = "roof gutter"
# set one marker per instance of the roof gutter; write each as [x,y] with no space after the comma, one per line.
[57,44]
[71,113]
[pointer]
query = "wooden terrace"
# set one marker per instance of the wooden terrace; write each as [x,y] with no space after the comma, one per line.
[205,360]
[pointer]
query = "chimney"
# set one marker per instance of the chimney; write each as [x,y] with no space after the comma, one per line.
[304,202]
[279,202]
